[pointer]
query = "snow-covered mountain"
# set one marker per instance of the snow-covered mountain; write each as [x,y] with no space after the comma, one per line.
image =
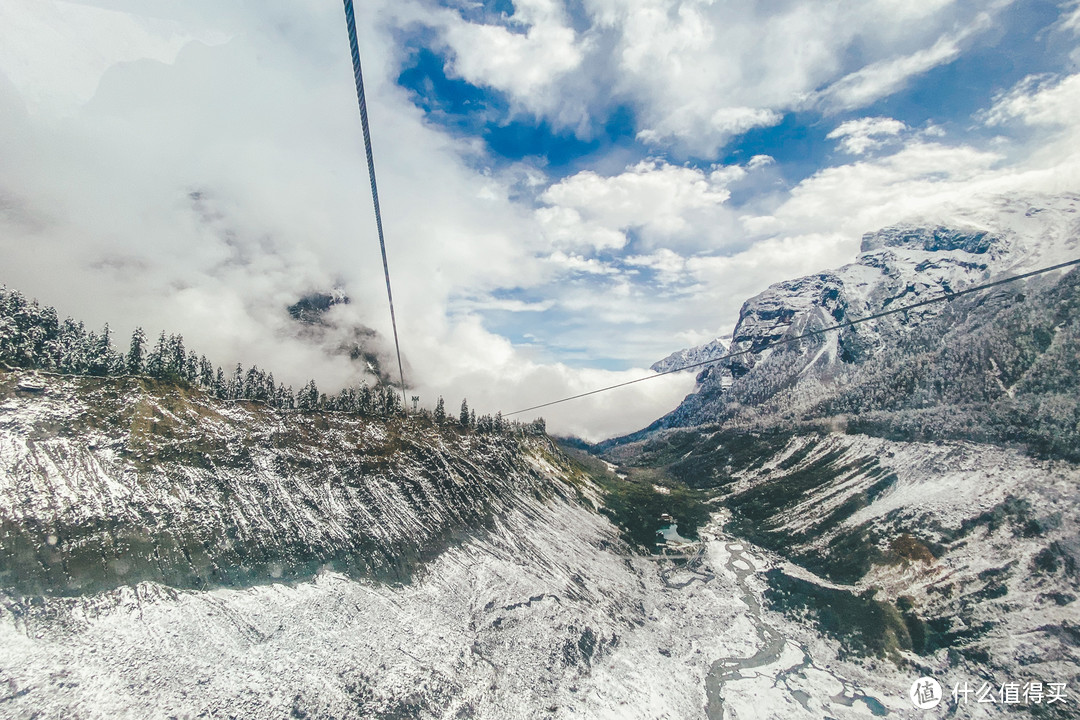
[114,481]
[690,356]
[897,502]
[897,266]
[904,264]
[957,559]
[167,554]
[912,475]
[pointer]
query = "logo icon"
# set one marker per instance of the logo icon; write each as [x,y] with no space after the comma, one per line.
[925,693]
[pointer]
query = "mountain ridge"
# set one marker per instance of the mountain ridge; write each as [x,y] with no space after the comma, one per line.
[895,269]
[157,481]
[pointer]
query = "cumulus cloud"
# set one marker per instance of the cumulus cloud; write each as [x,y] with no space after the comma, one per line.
[523,56]
[1038,100]
[726,123]
[859,136]
[665,203]
[760,161]
[699,74]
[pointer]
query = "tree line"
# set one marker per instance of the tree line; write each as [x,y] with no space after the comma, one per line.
[33,337]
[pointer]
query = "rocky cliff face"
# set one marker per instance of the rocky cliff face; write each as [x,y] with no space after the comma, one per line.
[898,266]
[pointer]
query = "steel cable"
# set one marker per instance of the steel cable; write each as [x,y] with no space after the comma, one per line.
[358,76]
[812,333]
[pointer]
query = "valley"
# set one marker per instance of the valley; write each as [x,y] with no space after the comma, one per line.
[815,528]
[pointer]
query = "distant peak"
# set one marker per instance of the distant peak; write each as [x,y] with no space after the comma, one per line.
[691,356]
[311,307]
[930,239]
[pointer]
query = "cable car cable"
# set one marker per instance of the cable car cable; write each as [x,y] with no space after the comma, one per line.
[812,333]
[358,76]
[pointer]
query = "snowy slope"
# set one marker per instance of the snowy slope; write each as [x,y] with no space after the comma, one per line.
[690,356]
[111,481]
[904,264]
[169,555]
[958,560]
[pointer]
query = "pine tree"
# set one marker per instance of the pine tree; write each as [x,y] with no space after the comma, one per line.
[236,386]
[175,358]
[440,411]
[99,355]
[392,403]
[155,360]
[253,384]
[136,352]
[71,348]
[206,373]
[463,416]
[221,387]
[308,397]
[345,400]
[191,367]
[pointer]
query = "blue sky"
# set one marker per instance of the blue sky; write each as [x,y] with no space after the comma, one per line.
[998,47]
[572,189]
[1019,43]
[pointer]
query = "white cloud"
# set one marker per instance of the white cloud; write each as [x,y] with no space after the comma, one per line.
[566,228]
[726,123]
[881,79]
[1070,18]
[699,73]
[1039,100]
[525,65]
[670,266]
[664,202]
[760,161]
[579,264]
[858,136]
[56,52]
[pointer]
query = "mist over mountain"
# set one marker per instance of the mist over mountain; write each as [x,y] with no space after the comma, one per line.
[816,527]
